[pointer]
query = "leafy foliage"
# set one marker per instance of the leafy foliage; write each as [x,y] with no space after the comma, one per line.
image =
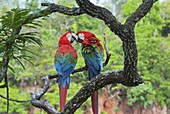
[17,108]
[153,51]
[143,94]
[13,44]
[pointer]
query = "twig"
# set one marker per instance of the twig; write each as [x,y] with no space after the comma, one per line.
[7,92]
[107,51]
[14,100]
[112,96]
[3,86]
[53,76]
[80,69]
[41,92]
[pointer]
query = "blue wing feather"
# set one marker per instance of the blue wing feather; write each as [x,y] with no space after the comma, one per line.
[64,67]
[94,62]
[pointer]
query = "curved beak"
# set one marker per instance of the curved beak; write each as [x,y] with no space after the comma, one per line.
[75,37]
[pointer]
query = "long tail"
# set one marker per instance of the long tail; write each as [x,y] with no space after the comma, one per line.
[63,94]
[94,100]
[94,97]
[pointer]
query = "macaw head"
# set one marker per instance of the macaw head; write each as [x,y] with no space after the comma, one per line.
[87,38]
[67,38]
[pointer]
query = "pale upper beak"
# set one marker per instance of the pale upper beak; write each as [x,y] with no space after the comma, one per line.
[74,37]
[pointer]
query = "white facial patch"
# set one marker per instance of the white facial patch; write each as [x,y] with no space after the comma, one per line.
[81,36]
[69,36]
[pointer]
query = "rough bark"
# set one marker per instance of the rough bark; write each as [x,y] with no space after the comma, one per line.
[91,86]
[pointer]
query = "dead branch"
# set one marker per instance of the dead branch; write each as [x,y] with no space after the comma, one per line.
[107,51]
[44,105]
[14,100]
[35,98]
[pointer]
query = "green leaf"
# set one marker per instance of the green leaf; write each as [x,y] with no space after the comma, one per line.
[19,61]
[11,68]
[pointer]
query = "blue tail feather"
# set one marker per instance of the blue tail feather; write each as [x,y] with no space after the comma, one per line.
[64,80]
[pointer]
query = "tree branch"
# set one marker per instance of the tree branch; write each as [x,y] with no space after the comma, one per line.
[61,9]
[3,86]
[51,9]
[101,13]
[80,69]
[107,51]
[41,92]
[81,96]
[91,86]
[44,105]
[35,98]
[14,100]
[141,11]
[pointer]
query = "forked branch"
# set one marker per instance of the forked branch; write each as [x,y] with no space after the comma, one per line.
[127,76]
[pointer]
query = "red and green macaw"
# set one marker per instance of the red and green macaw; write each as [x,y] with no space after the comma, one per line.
[92,52]
[65,62]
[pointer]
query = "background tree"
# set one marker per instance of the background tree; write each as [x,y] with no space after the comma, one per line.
[51,31]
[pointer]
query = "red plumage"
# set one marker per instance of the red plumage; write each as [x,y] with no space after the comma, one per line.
[90,39]
[65,61]
[92,52]
[64,40]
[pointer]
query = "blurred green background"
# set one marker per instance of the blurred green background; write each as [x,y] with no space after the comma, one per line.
[153,43]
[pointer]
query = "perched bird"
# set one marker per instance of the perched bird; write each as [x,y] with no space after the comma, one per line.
[65,62]
[92,52]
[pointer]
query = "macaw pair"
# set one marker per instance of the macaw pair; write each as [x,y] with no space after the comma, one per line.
[66,59]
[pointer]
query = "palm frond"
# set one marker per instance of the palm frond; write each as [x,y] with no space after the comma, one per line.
[19,61]
[11,68]
[20,42]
